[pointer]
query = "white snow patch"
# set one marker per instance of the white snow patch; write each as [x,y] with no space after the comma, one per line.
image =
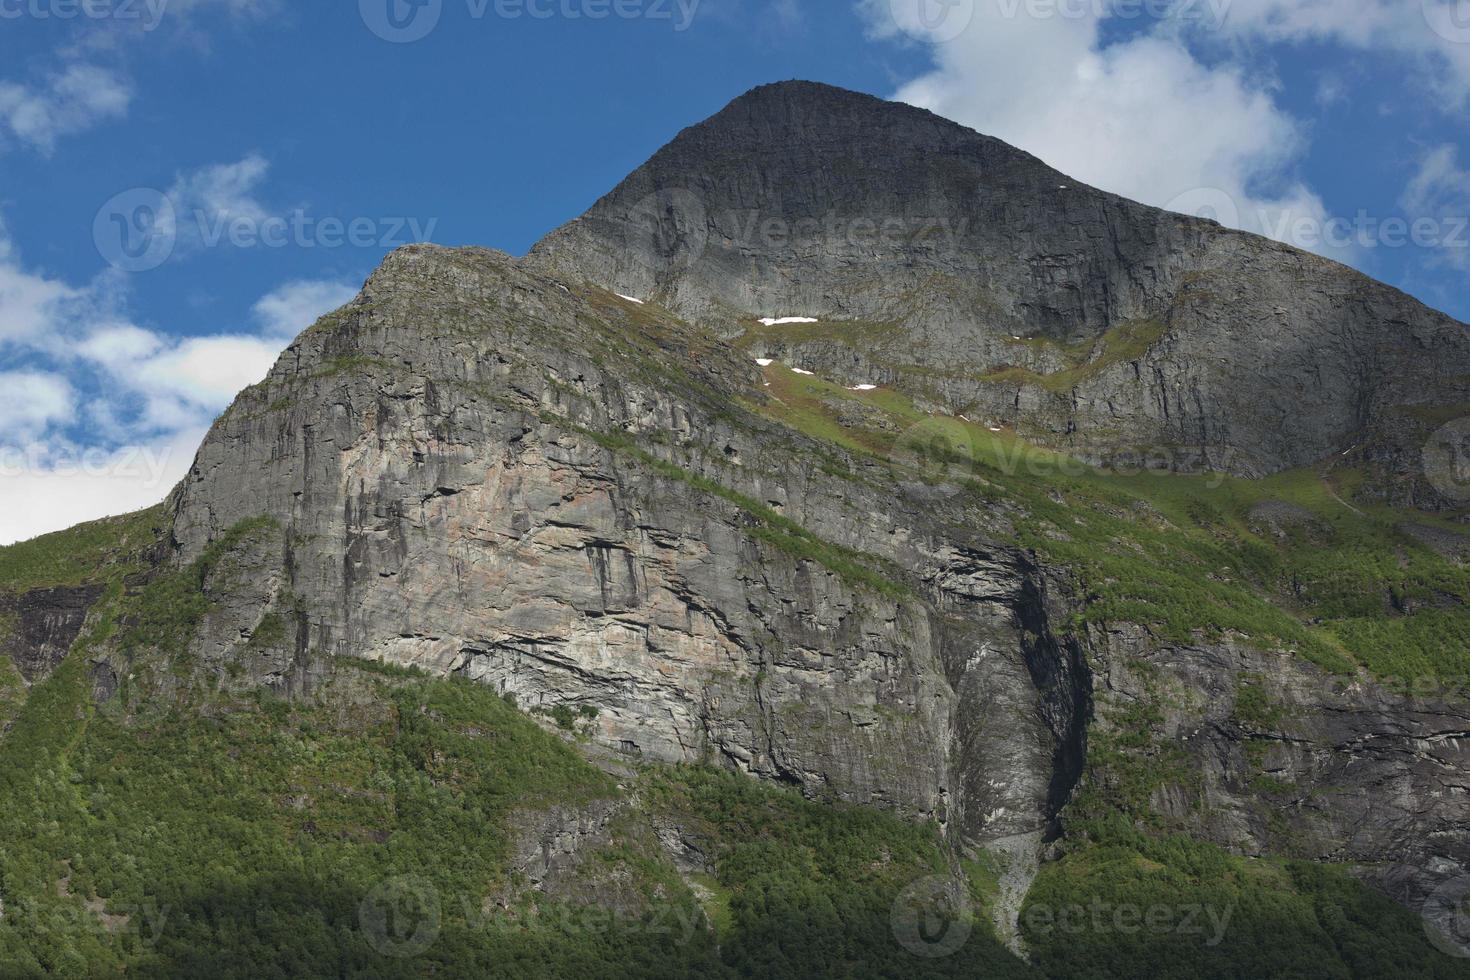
[630,299]
[800,371]
[863,388]
[765,361]
[775,321]
[996,428]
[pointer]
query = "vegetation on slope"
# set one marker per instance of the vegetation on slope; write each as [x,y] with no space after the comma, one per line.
[1178,909]
[1340,582]
[369,829]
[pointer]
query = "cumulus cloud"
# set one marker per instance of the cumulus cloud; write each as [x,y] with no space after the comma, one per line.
[1141,117]
[29,302]
[292,307]
[1432,37]
[30,401]
[207,201]
[46,487]
[111,416]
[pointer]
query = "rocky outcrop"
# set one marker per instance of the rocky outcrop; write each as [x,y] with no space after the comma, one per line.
[441,461]
[1266,754]
[37,628]
[1120,332]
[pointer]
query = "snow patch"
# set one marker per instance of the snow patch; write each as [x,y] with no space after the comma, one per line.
[764,361]
[800,371]
[774,321]
[863,388]
[630,299]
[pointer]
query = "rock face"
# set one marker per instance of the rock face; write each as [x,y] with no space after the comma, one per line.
[502,469]
[1278,757]
[43,624]
[429,455]
[1117,331]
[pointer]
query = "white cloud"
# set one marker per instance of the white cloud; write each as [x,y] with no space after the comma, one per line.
[43,488]
[208,200]
[75,99]
[1142,117]
[293,307]
[144,398]
[1429,36]
[1440,192]
[30,401]
[185,382]
[29,303]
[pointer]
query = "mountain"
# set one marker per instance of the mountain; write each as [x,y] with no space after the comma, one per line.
[994,285]
[531,608]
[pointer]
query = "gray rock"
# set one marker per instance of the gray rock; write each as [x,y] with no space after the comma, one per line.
[499,469]
[1212,348]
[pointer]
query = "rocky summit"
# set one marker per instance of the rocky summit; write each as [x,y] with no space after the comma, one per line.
[849,516]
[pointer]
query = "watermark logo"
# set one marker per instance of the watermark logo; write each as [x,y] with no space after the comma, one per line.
[401,21]
[141,229]
[401,917]
[932,917]
[672,227]
[1208,923]
[1446,914]
[147,12]
[933,21]
[940,448]
[406,21]
[1309,230]
[1447,459]
[1207,202]
[136,231]
[1450,19]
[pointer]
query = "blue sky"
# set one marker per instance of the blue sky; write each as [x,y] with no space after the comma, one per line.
[1322,122]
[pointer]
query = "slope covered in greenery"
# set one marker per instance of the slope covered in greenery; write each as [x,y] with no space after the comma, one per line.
[1291,562]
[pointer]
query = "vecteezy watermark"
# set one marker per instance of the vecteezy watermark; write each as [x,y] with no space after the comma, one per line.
[1203,13]
[140,229]
[149,13]
[406,21]
[932,21]
[1097,917]
[1209,203]
[671,227]
[1446,914]
[136,230]
[1312,231]
[845,231]
[955,448]
[144,465]
[401,917]
[144,922]
[1450,19]
[1364,230]
[1446,459]
[932,918]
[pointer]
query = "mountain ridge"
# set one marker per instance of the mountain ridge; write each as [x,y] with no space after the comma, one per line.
[1029,268]
[493,510]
